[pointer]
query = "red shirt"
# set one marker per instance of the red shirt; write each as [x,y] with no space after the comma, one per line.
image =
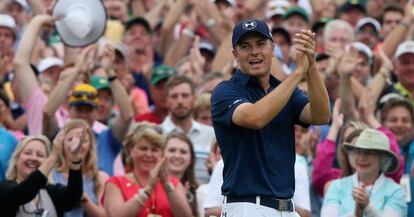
[150,117]
[157,203]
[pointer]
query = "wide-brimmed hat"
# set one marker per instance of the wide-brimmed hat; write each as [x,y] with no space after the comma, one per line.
[80,22]
[371,139]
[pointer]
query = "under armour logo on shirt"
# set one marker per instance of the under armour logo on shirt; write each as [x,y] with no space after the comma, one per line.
[250,24]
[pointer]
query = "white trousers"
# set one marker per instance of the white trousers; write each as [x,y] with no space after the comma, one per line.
[244,209]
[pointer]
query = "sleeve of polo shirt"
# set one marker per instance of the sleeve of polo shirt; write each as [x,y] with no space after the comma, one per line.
[298,101]
[224,101]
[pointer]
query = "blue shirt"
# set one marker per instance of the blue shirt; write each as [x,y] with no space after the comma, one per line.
[408,153]
[108,148]
[7,145]
[384,193]
[256,162]
[87,186]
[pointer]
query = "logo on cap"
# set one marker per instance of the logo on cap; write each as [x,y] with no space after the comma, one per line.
[249,25]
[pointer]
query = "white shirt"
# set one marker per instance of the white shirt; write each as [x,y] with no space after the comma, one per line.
[300,198]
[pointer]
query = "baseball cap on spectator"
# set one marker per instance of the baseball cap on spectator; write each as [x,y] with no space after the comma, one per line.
[296,11]
[276,7]
[351,4]
[207,47]
[320,23]
[250,25]
[120,49]
[403,48]
[99,82]
[7,21]
[321,56]
[231,3]
[363,49]
[162,72]
[49,62]
[368,21]
[138,21]
[82,23]
[84,95]
[281,30]
[22,3]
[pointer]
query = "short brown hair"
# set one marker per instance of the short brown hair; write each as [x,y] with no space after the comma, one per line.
[180,79]
[394,102]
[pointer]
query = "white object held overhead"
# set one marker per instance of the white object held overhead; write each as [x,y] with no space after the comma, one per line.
[81,22]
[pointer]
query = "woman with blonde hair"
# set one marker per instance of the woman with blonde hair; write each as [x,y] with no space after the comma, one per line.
[93,179]
[26,192]
[146,190]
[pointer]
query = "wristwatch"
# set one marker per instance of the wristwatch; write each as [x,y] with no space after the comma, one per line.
[112,78]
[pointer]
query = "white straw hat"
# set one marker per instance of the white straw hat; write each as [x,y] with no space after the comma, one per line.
[371,139]
[81,22]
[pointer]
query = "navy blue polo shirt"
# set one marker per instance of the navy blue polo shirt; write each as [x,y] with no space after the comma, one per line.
[256,162]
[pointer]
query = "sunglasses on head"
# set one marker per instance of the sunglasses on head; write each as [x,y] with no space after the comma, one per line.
[82,94]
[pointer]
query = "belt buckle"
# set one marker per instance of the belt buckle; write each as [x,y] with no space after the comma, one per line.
[283,205]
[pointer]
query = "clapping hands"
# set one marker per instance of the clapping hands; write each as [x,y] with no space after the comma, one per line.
[306,47]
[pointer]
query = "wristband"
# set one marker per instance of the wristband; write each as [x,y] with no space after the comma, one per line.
[112,78]
[210,23]
[188,32]
[143,193]
[140,202]
[169,187]
[405,24]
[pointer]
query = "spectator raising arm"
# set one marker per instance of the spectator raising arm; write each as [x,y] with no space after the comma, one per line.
[347,65]
[58,95]
[122,122]
[26,79]
[398,34]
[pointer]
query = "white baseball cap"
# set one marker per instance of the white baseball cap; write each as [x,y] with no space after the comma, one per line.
[276,7]
[403,48]
[368,20]
[7,21]
[48,62]
[364,49]
[22,3]
[82,22]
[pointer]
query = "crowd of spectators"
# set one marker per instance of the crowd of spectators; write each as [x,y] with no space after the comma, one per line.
[122,127]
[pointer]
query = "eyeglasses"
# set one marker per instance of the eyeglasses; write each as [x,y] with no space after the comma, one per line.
[80,95]
[364,152]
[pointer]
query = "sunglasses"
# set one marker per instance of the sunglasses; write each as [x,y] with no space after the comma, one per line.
[80,95]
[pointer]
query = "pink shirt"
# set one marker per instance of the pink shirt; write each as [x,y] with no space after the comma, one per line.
[34,110]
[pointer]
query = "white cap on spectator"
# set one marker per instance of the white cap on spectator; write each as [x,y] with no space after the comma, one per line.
[48,62]
[231,2]
[364,49]
[22,3]
[276,7]
[368,20]
[7,21]
[82,23]
[403,48]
